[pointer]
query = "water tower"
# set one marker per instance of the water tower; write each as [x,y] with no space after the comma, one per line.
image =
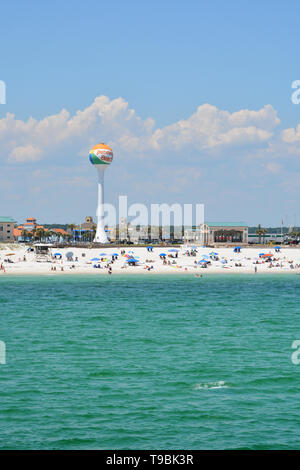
[101,156]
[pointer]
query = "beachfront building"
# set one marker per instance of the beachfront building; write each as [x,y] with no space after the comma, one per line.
[266,238]
[27,232]
[6,229]
[217,232]
[30,225]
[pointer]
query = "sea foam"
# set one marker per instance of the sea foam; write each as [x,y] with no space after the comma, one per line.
[210,385]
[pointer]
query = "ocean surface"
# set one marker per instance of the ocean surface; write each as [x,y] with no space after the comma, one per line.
[150,362]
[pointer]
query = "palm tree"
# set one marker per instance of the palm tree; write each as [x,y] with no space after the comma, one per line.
[24,234]
[47,234]
[40,233]
[93,232]
[53,235]
[30,235]
[261,232]
[72,227]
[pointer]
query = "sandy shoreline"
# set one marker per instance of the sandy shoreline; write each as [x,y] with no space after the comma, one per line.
[149,263]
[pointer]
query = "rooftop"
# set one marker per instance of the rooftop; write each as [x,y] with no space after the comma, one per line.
[226,224]
[6,219]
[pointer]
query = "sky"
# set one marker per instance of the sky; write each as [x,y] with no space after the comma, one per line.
[195,99]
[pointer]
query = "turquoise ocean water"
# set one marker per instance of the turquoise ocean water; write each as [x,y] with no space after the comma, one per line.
[158,362]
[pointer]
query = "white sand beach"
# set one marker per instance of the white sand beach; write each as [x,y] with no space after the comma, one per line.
[16,259]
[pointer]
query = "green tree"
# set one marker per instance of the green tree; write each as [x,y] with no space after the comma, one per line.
[260,232]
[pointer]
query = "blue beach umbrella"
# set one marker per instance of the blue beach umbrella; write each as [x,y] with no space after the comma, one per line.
[202,261]
[95,259]
[132,260]
[162,254]
[102,254]
[205,257]
[173,249]
[57,254]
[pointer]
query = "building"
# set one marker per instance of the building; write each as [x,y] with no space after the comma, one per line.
[266,238]
[6,229]
[29,226]
[217,232]
[88,223]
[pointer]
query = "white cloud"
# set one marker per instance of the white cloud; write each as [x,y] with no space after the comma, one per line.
[114,122]
[210,127]
[25,153]
[291,136]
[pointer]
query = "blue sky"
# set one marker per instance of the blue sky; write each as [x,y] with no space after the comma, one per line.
[162,60]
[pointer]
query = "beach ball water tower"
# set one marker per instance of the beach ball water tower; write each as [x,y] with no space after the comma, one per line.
[101,156]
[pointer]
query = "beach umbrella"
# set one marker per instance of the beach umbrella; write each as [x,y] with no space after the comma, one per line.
[69,254]
[132,260]
[223,261]
[115,254]
[205,257]
[95,259]
[173,249]
[213,253]
[102,254]
[162,254]
[202,261]
[57,254]
[277,247]
[267,255]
